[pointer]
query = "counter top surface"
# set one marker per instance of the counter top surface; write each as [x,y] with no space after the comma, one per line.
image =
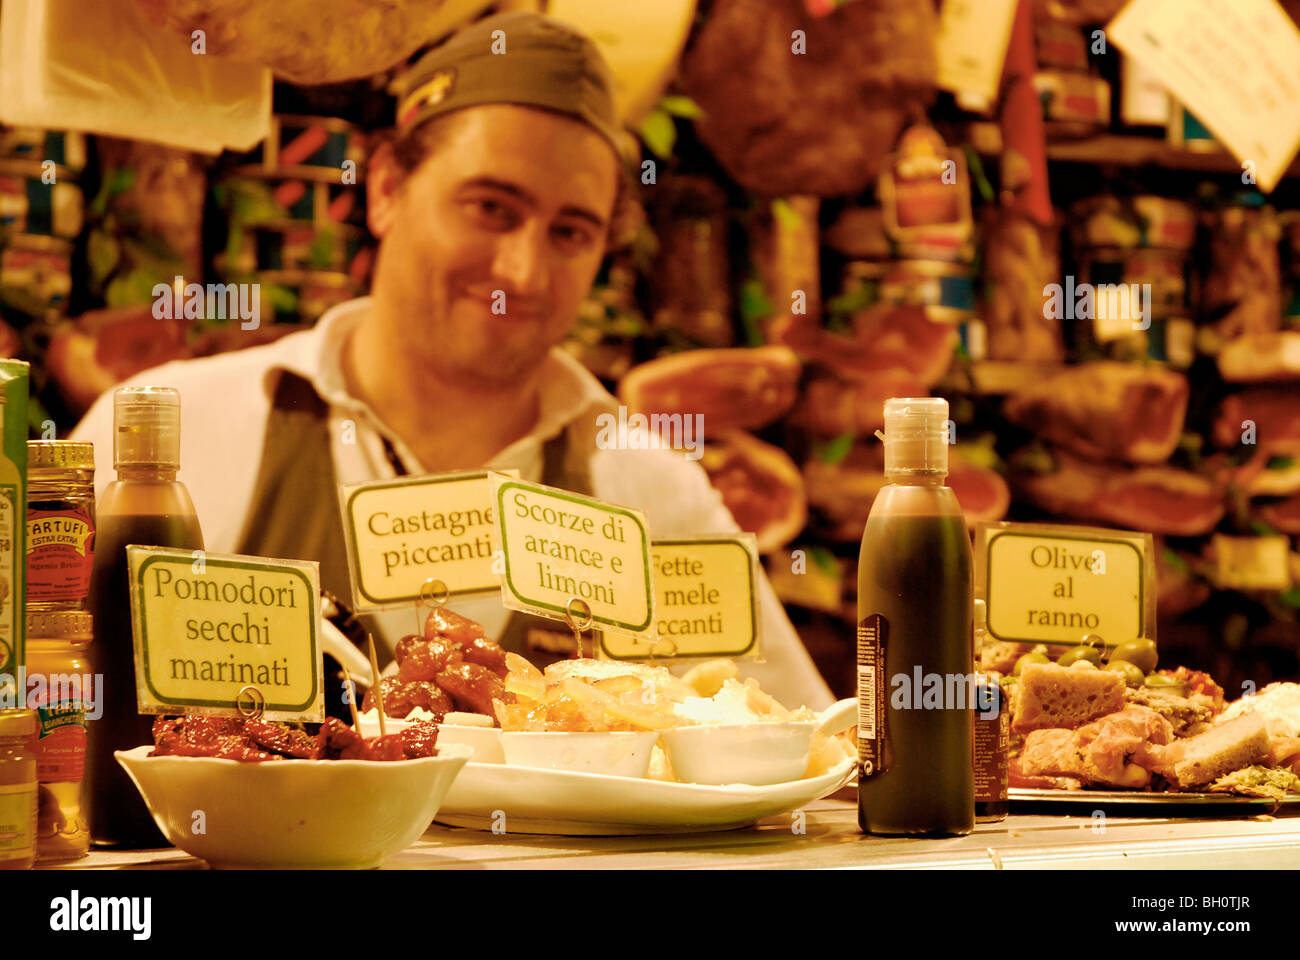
[830,840]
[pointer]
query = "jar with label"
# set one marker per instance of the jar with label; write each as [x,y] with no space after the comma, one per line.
[61,691]
[17,789]
[60,524]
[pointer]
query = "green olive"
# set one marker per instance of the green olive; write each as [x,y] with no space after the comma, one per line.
[1036,655]
[1133,675]
[1168,684]
[1140,651]
[1091,654]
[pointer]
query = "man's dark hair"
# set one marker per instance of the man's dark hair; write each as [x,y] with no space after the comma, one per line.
[414,147]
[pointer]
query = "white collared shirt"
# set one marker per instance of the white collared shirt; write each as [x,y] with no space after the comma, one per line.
[226,399]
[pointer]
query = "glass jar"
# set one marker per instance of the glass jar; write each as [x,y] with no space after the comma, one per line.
[60,524]
[17,789]
[57,644]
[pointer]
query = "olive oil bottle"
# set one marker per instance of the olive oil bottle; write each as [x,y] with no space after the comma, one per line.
[915,664]
[148,506]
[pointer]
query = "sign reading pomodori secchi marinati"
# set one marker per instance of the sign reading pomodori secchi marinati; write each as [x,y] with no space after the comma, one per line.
[559,548]
[402,533]
[226,634]
[1050,583]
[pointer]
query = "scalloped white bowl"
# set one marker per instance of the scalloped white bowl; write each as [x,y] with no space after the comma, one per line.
[293,813]
[614,753]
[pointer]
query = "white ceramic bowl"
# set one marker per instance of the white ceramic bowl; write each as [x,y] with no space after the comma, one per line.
[484,742]
[615,754]
[754,753]
[292,813]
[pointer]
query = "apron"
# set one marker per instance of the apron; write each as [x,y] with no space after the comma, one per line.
[295,513]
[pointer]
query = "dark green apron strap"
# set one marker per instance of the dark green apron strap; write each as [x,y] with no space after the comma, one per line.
[294,512]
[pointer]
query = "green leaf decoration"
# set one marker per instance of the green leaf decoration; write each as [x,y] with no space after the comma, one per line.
[659,133]
[679,106]
[833,451]
[826,561]
[786,215]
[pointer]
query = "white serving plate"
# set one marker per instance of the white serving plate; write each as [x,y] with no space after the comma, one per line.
[529,800]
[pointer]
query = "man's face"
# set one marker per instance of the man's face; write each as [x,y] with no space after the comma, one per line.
[491,244]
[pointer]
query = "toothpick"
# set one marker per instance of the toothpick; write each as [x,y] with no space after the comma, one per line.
[352,700]
[379,694]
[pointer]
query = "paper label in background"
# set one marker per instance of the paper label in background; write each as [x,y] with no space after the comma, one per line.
[1052,584]
[1251,563]
[706,601]
[206,628]
[1144,101]
[557,545]
[971,47]
[1234,63]
[401,533]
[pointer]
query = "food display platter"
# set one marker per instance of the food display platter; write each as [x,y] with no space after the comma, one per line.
[531,800]
[1137,803]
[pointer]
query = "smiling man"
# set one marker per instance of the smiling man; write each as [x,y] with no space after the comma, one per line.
[494,204]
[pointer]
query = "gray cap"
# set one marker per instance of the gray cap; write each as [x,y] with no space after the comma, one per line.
[533,61]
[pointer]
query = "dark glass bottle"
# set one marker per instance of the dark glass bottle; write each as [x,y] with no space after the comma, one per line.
[146,505]
[915,665]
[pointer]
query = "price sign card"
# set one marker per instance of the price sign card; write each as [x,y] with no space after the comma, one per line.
[557,546]
[972,45]
[401,533]
[1234,63]
[207,626]
[1053,584]
[706,601]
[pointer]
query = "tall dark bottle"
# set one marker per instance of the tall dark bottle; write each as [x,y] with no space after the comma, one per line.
[146,505]
[915,665]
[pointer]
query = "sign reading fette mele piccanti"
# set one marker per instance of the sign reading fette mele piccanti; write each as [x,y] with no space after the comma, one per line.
[226,634]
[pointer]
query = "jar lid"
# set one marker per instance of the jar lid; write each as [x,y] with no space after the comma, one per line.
[17,723]
[61,624]
[69,454]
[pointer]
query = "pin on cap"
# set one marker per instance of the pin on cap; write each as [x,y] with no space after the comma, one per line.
[916,435]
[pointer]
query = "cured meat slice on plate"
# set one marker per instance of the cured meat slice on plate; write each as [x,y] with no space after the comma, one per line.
[759,484]
[1265,423]
[843,491]
[1107,410]
[829,406]
[732,388]
[898,342]
[1156,499]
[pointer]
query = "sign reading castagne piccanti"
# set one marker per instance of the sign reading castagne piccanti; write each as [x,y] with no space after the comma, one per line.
[402,533]
[1049,583]
[208,627]
[705,601]
[558,547]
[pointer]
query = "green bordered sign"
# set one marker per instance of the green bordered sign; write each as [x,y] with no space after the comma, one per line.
[209,626]
[706,602]
[557,546]
[1053,584]
[402,533]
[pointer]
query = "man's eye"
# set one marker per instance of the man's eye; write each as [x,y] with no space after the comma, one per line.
[571,237]
[491,212]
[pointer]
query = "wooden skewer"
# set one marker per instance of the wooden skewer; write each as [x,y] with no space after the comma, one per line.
[352,700]
[379,694]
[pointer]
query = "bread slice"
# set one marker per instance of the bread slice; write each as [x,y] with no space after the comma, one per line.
[1220,750]
[1052,696]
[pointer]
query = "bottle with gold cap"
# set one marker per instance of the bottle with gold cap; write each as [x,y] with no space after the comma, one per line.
[146,505]
[915,665]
